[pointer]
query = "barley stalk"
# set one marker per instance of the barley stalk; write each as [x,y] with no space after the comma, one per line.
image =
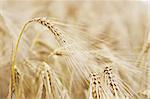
[43,22]
[72,59]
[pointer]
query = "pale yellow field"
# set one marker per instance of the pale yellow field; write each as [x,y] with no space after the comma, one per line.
[65,49]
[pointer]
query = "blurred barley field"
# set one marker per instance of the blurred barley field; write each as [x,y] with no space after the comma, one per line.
[68,49]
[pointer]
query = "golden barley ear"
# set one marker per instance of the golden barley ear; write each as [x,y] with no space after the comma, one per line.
[44,22]
[52,87]
[115,86]
[16,88]
[110,80]
[96,88]
[58,35]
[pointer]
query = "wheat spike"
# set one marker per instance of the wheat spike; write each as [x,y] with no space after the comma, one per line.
[16,89]
[51,83]
[118,88]
[72,59]
[110,80]
[96,88]
[58,35]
